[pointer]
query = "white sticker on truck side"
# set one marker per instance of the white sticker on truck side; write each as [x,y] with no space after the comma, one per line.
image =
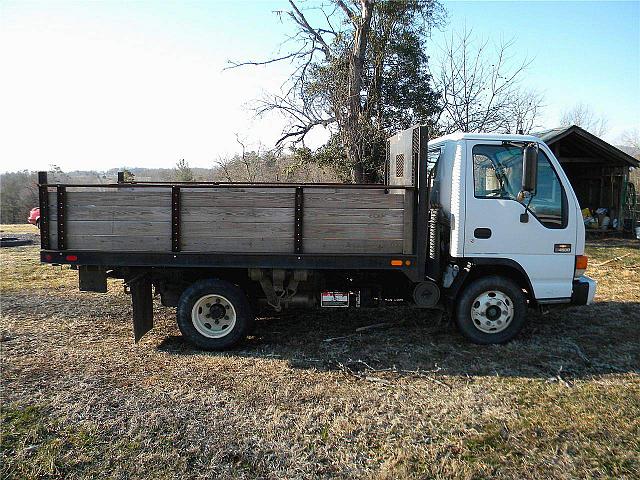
[334,299]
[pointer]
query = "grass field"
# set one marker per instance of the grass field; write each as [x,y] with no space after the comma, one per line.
[411,400]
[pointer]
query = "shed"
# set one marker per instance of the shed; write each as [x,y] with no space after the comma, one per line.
[598,172]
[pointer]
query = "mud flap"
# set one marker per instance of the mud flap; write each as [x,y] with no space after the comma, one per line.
[142,301]
[92,279]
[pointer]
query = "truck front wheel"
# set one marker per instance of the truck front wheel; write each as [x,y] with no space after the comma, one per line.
[214,314]
[491,310]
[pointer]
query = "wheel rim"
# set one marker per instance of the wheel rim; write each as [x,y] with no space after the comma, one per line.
[213,316]
[492,311]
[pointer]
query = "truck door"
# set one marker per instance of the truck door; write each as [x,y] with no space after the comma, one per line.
[542,244]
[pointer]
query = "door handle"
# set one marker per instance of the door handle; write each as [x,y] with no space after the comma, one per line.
[482,233]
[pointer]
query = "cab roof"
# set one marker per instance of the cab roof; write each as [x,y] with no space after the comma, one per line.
[485,136]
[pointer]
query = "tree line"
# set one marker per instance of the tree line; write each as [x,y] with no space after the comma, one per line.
[19,190]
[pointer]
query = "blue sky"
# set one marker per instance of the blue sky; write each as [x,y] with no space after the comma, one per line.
[585,52]
[97,85]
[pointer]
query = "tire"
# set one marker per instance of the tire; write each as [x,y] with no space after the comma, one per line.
[491,310]
[214,314]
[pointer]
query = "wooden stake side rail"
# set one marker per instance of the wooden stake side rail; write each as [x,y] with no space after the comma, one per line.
[229,218]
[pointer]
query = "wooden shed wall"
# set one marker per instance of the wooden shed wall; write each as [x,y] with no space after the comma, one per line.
[235,220]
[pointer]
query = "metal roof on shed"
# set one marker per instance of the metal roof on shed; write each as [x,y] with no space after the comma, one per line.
[554,135]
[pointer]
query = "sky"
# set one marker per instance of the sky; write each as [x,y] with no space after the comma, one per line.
[93,85]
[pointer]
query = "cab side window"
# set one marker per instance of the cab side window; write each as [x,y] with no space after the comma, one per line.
[549,201]
[497,173]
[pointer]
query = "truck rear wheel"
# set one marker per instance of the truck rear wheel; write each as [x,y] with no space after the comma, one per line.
[214,314]
[491,310]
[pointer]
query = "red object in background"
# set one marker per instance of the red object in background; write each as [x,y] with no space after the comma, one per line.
[34,217]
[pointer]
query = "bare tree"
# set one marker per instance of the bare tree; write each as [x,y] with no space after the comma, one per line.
[522,113]
[358,70]
[250,160]
[480,87]
[631,138]
[224,164]
[583,116]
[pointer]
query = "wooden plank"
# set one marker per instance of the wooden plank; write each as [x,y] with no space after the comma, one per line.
[116,213]
[350,190]
[237,230]
[407,230]
[237,245]
[351,199]
[314,245]
[359,215]
[119,243]
[222,198]
[132,228]
[237,215]
[116,197]
[243,190]
[356,231]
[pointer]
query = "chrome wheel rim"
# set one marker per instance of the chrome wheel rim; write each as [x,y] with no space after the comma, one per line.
[492,311]
[213,316]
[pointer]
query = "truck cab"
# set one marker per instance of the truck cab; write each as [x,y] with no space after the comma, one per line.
[491,227]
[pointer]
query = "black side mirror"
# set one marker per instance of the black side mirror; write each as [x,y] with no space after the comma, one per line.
[530,168]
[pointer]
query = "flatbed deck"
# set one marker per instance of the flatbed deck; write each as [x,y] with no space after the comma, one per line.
[244,225]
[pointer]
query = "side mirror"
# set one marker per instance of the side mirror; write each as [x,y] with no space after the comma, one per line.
[530,168]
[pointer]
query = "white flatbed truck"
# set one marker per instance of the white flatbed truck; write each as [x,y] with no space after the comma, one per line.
[485,226]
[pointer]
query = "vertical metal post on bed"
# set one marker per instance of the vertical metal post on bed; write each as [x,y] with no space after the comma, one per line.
[298,218]
[175,218]
[61,194]
[43,192]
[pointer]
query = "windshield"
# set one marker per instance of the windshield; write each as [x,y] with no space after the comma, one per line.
[497,171]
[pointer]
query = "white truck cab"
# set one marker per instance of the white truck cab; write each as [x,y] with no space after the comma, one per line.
[492,221]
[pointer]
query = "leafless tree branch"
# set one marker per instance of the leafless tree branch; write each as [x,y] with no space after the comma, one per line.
[480,87]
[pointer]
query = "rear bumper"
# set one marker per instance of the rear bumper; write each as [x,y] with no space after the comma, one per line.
[584,289]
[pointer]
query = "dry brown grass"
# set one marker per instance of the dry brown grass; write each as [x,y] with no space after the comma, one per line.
[413,400]
[8,229]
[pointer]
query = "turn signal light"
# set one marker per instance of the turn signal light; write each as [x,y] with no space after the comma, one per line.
[581,265]
[396,263]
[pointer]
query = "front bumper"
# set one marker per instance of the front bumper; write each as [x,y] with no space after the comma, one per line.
[584,289]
